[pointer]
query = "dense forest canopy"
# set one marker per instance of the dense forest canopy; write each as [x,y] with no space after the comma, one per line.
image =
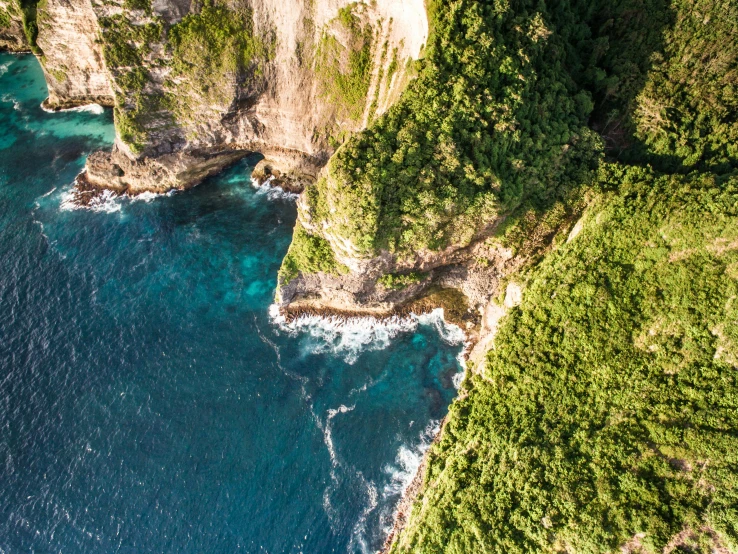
[606,417]
[514,105]
[607,414]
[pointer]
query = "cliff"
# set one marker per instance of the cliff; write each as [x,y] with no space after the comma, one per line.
[12,35]
[445,171]
[69,38]
[195,88]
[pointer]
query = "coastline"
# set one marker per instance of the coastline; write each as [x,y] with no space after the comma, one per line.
[87,193]
[479,333]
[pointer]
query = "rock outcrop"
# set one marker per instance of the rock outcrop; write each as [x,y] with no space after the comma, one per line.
[289,81]
[12,36]
[69,37]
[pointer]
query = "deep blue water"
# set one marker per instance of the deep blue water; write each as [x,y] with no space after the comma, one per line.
[147,401]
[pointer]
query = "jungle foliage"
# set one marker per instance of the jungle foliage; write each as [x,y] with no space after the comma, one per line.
[492,118]
[29,18]
[209,52]
[343,62]
[607,413]
[213,51]
[606,416]
[401,280]
[125,47]
[501,117]
[308,254]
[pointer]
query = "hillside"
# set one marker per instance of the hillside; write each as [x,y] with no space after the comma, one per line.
[586,151]
[607,411]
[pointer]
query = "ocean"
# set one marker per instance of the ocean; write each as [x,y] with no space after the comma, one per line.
[148,401]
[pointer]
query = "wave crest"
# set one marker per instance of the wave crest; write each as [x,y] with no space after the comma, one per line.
[96,109]
[348,337]
[272,192]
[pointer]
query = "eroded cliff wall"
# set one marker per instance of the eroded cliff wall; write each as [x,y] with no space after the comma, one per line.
[12,36]
[72,58]
[197,84]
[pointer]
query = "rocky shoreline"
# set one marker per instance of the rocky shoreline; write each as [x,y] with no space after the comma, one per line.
[88,192]
[454,313]
[77,102]
[473,325]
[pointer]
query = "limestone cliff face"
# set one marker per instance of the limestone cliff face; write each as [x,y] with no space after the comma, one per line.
[290,79]
[69,37]
[12,37]
[384,283]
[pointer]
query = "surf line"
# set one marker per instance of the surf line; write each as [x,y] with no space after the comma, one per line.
[356,332]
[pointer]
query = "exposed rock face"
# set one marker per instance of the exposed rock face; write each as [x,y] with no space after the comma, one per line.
[73,63]
[282,103]
[12,37]
[476,270]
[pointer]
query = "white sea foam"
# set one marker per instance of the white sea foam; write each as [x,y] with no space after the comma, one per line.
[349,337]
[408,460]
[401,474]
[327,436]
[48,193]
[358,541]
[107,201]
[4,68]
[272,193]
[149,196]
[90,108]
[333,515]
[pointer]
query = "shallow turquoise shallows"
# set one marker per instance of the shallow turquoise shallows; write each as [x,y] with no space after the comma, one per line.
[148,403]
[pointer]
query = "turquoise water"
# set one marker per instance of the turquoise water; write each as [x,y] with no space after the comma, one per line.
[148,403]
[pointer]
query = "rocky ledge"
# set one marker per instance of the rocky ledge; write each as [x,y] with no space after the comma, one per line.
[77,102]
[119,172]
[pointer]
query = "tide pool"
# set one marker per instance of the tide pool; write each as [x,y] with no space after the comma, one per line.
[148,402]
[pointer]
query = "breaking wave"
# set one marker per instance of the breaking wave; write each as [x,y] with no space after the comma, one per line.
[400,475]
[106,201]
[272,192]
[96,109]
[348,337]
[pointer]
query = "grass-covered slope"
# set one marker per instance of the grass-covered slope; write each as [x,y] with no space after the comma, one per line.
[607,414]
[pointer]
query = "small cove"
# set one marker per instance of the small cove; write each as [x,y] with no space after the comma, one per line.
[148,402]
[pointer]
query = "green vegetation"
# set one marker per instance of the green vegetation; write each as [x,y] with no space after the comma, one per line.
[663,76]
[392,68]
[500,118]
[608,410]
[28,11]
[125,46]
[401,280]
[686,113]
[212,52]
[58,73]
[492,121]
[345,65]
[4,18]
[144,5]
[606,416]
[308,254]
